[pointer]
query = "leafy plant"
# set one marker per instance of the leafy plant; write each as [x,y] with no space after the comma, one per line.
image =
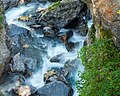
[51,7]
[54,5]
[1,16]
[101,76]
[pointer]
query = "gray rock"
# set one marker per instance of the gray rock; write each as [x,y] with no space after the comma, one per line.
[70,67]
[4,52]
[62,15]
[4,55]
[56,58]
[56,88]
[18,65]
[35,26]
[50,76]
[10,3]
[23,64]
[71,45]
[64,34]
[16,30]
[47,31]
[54,75]
[30,65]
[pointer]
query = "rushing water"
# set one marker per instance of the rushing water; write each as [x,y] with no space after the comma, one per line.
[59,48]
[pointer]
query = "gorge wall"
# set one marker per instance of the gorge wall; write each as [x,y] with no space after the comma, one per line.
[106,15]
[4,52]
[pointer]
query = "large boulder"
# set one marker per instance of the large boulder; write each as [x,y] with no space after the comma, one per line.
[24,65]
[62,15]
[56,88]
[15,33]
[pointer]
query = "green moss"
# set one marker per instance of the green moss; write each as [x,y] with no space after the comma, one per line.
[92,33]
[102,68]
[1,21]
[105,33]
[2,65]
[1,17]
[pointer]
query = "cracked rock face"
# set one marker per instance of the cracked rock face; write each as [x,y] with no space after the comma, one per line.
[105,13]
[62,15]
[4,52]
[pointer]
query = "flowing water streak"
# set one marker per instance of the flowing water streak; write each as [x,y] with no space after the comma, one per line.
[13,14]
[56,50]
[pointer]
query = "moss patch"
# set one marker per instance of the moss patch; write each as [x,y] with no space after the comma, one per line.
[102,68]
[1,17]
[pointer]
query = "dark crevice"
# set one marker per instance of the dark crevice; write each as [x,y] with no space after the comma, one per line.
[72,24]
[76,21]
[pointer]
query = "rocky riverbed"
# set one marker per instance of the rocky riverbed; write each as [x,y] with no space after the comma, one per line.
[43,48]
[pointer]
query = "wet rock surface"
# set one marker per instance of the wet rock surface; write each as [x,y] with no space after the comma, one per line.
[24,65]
[62,16]
[15,30]
[56,58]
[10,3]
[18,65]
[53,88]
[47,31]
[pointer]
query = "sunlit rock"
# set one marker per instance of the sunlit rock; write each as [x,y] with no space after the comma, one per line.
[23,90]
[24,18]
[49,74]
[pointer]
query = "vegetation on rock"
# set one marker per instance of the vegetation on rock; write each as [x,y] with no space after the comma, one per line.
[54,5]
[1,16]
[1,21]
[102,68]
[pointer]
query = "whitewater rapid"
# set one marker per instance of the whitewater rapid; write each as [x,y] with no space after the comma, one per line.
[37,79]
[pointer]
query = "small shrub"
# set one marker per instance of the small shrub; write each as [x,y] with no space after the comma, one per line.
[101,76]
